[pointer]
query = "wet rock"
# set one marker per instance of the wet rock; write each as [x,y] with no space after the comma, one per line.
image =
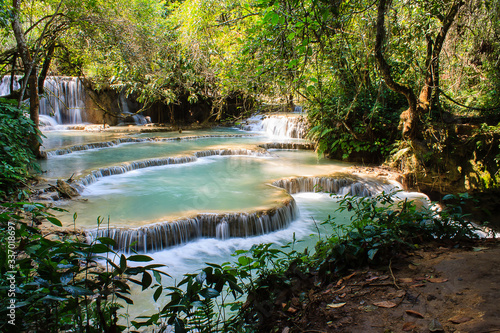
[65,190]
[435,326]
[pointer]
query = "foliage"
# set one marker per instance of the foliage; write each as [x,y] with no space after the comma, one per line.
[16,157]
[381,228]
[58,283]
[200,302]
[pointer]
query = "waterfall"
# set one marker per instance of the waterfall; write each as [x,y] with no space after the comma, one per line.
[63,101]
[95,175]
[159,236]
[278,126]
[285,126]
[129,117]
[341,184]
[5,85]
[113,143]
[288,145]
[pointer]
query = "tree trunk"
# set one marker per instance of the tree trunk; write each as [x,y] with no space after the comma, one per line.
[430,92]
[410,117]
[30,75]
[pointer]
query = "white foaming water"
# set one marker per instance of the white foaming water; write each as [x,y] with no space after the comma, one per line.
[281,127]
[63,101]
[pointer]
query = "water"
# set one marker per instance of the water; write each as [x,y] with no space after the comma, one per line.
[203,185]
[63,101]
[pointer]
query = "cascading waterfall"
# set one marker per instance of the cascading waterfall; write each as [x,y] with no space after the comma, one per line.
[159,236]
[64,99]
[138,119]
[116,142]
[95,175]
[288,145]
[5,85]
[340,184]
[278,126]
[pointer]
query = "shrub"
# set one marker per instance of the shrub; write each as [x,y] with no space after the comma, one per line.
[16,157]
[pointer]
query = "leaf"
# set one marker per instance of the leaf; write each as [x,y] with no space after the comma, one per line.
[209,293]
[54,298]
[78,291]
[146,280]
[336,305]
[437,280]
[200,278]
[157,293]
[55,221]
[405,280]
[139,257]
[372,253]
[123,263]
[459,319]
[414,313]
[409,326]
[385,304]
[244,261]
[107,241]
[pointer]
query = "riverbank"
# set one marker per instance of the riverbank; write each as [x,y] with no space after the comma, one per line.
[441,287]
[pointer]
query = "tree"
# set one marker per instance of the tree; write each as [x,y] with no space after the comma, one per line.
[416,106]
[30,60]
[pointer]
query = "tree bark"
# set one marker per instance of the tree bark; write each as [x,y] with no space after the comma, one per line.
[430,91]
[409,118]
[30,75]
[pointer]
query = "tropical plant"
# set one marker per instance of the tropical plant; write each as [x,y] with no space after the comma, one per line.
[17,158]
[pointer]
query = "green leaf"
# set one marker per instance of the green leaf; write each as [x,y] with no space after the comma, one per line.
[139,257]
[209,293]
[146,280]
[244,261]
[78,291]
[107,241]
[123,263]
[55,221]
[372,253]
[157,293]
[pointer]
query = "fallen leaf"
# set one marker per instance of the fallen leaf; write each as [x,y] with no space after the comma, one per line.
[437,280]
[349,276]
[335,305]
[414,313]
[343,295]
[478,249]
[369,308]
[385,304]
[291,310]
[417,285]
[399,293]
[373,278]
[409,326]
[458,319]
[406,280]
[342,288]
[286,330]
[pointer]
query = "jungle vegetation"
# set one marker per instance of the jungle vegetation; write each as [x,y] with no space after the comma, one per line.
[382,81]
[373,74]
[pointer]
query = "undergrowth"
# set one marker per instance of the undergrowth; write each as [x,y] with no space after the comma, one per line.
[69,285]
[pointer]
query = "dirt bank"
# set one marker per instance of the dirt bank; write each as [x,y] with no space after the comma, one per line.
[435,289]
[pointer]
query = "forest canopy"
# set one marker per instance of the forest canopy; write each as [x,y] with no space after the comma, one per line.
[369,72]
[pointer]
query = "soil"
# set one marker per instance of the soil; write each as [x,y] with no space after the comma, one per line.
[434,289]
